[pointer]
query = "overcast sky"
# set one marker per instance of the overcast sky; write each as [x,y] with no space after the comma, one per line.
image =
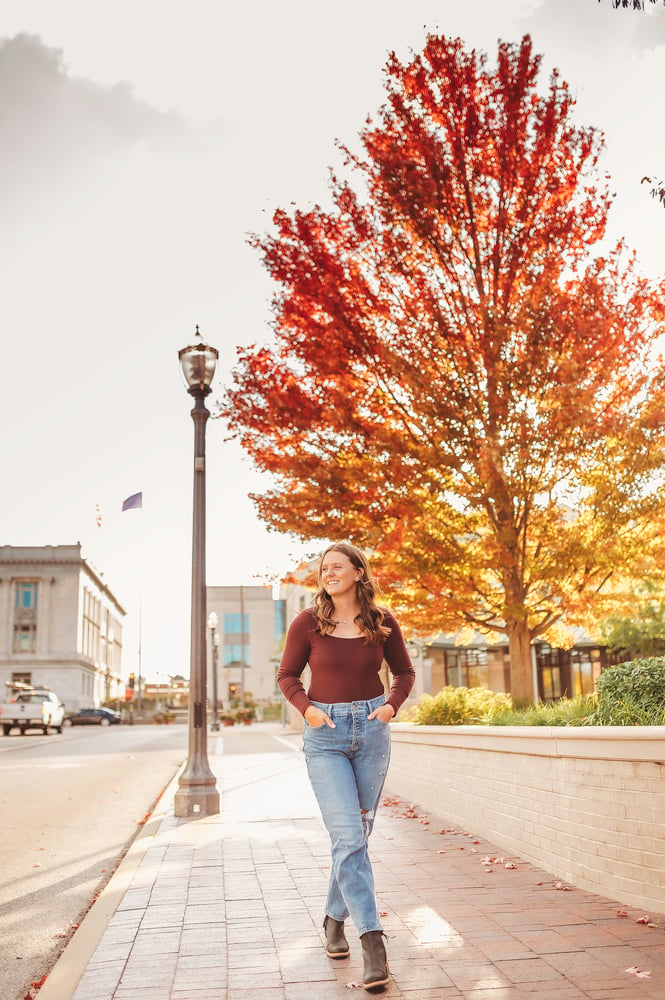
[141,142]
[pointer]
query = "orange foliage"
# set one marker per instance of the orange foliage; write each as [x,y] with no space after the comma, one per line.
[454,371]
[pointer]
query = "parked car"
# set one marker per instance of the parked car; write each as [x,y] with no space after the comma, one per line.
[92,717]
[31,708]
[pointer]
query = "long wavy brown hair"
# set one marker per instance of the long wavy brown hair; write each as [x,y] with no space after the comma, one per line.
[371,617]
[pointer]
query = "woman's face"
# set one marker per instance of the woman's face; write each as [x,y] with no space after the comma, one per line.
[338,574]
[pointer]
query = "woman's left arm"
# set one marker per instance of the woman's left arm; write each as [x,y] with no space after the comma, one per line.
[397,657]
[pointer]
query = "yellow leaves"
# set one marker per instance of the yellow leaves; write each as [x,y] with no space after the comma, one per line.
[559,636]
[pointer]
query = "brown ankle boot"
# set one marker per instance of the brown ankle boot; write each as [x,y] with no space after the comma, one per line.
[375,975]
[336,944]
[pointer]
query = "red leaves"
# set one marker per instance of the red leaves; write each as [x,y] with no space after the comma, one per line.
[448,352]
[35,986]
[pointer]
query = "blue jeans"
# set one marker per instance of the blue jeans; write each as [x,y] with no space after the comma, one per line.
[347,767]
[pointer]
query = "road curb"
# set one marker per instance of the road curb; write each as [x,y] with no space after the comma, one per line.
[64,977]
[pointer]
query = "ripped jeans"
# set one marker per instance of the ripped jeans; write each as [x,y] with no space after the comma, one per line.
[347,767]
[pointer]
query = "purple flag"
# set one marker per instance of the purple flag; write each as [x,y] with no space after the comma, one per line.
[135,502]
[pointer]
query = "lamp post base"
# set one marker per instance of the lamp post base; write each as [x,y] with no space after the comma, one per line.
[197,801]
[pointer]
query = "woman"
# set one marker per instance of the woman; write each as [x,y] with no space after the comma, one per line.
[345,637]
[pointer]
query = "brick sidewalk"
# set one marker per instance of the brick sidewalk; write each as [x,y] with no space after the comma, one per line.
[230,907]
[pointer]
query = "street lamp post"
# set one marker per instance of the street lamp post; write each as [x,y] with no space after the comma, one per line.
[213,622]
[197,793]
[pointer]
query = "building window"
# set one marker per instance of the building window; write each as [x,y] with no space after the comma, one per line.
[91,632]
[26,594]
[553,672]
[25,638]
[234,624]
[234,654]
[585,670]
[235,649]
[466,667]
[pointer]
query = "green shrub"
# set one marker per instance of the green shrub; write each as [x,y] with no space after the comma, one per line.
[578,711]
[632,694]
[459,706]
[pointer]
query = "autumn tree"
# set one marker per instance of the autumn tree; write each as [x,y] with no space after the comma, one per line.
[456,381]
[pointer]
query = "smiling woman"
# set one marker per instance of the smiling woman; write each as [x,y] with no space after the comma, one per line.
[345,638]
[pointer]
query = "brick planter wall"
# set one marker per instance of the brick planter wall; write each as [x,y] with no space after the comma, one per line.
[586,804]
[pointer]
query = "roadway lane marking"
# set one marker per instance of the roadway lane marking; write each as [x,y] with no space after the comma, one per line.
[287,743]
[31,765]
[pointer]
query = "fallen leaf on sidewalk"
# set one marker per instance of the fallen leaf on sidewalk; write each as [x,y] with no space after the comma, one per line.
[35,986]
[645,920]
[509,864]
[353,986]
[621,913]
[562,886]
[637,972]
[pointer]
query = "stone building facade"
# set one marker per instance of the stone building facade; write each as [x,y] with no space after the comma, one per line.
[60,625]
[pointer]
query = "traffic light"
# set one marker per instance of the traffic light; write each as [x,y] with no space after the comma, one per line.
[132,681]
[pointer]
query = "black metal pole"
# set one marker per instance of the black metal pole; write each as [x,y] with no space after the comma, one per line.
[197,793]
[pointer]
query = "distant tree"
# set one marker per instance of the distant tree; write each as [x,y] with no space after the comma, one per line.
[456,381]
[635,4]
[642,633]
[658,189]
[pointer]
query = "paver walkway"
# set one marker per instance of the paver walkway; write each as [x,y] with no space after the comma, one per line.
[230,907]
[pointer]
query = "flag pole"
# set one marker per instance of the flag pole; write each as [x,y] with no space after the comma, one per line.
[135,502]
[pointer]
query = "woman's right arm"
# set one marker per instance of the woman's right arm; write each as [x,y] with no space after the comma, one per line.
[294,660]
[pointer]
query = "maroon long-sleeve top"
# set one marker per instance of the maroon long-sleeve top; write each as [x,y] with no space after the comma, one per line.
[343,670]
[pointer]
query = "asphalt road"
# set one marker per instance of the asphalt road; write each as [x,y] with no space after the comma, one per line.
[70,805]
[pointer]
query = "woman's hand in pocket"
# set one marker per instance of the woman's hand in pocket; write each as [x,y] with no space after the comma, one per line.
[316,717]
[384,713]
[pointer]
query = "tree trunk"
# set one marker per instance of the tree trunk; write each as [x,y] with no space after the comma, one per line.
[521,671]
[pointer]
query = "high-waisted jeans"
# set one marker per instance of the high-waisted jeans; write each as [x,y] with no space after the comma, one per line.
[347,767]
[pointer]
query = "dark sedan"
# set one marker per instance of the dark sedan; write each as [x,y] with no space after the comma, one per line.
[92,717]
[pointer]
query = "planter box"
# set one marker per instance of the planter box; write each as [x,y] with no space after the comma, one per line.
[585,803]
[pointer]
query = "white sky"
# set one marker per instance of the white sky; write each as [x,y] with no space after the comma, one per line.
[124,226]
